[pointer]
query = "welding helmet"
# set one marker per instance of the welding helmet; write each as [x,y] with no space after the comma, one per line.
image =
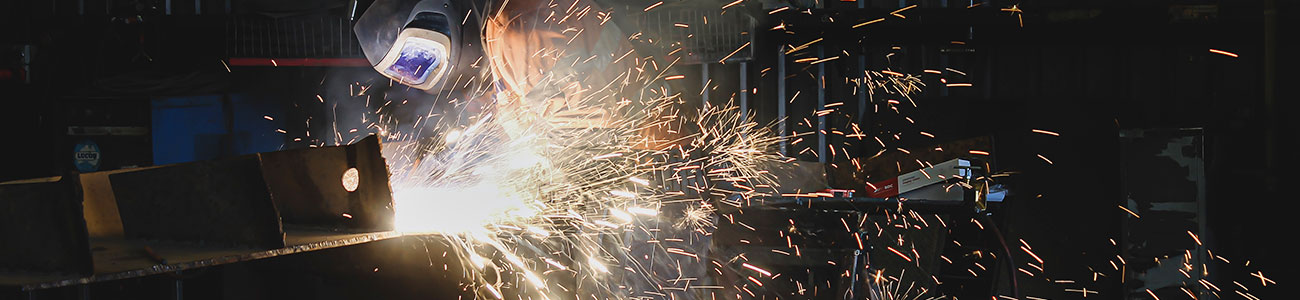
[420,43]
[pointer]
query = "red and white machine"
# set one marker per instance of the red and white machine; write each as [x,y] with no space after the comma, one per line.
[926,183]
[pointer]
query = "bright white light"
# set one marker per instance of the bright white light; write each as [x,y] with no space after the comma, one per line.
[477,260]
[453,136]
[524,160]
[455,210]
[539,231]
[643,211]
[494,291]
[555,264]
[351,179]
[605,223]
[639,180]
[597,265]
[621,216]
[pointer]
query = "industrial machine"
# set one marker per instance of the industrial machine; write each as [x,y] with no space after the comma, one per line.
[942,209]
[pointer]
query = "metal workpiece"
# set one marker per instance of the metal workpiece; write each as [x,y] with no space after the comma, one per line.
[343,188]
[223,202]
[41,223]
[164,219]
[117,259]
[247,200]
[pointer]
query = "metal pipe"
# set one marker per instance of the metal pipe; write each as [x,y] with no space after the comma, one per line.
[780,98]
[1270,93]
[853,279]
[180,288]
[862,90]
[744,90]
[943,62]
[821,105]
[704,84]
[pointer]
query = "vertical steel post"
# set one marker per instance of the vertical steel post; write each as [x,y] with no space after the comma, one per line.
[744,90]
[780,99]
[704,84]
[821,105]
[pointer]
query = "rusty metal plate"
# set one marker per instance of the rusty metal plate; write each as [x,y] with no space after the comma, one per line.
[224,202]
[41,223]
[192,215]
[117,259]
[344,187]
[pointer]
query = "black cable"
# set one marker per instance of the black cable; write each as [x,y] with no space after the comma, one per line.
[1011,262]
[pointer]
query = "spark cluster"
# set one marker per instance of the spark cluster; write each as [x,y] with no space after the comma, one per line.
[614,185]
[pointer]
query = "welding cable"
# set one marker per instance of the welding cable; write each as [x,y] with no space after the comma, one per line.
[1010,261]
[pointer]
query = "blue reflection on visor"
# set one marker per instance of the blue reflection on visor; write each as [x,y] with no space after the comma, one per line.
[417,57]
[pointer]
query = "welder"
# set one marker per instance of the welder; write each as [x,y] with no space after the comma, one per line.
[542,59]
[520,46]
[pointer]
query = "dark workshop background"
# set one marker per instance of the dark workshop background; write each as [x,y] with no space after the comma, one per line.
[1088,70]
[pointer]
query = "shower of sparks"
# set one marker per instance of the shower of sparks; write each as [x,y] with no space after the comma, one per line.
[519,189]
[623,205]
